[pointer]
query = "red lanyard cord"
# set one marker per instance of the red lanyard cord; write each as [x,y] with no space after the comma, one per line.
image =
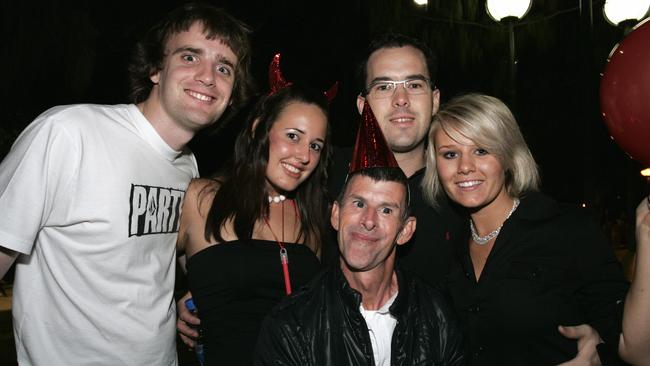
[284,257]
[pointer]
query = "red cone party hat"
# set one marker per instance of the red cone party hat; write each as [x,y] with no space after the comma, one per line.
[371,149]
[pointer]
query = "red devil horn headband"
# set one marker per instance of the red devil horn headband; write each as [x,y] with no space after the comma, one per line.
[277,81]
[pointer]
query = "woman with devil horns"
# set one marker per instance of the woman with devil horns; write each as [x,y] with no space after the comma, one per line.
[255,231]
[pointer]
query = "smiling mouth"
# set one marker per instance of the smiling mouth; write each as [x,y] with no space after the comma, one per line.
[402,119]
[199,96]
[363,238]
[469,183]
[291,169]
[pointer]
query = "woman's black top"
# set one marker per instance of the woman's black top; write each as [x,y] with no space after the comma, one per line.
[234,285]
[550,266]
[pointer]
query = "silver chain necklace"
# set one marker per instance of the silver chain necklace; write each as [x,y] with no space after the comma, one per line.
[482,240]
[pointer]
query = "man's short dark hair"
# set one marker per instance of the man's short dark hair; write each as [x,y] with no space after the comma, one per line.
[149,54]
[383,174]
[395,40]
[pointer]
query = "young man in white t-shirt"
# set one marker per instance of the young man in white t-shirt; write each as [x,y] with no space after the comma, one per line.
[90,198]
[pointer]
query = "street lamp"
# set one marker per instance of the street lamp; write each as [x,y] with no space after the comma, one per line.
[646,173]
[501,9]
[509,12]
[625,13]
[422,4]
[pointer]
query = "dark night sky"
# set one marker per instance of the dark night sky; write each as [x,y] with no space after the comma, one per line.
[62,52]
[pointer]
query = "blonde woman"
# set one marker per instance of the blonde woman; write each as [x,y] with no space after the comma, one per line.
[526,265]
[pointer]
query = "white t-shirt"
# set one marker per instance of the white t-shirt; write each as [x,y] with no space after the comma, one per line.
[381,324]
[92,195]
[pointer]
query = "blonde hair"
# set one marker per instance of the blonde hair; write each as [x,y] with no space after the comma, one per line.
[489,123]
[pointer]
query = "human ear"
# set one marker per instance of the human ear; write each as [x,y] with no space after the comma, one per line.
[407,230]
[360,102]
[435,98]
[155,77]
[334,217]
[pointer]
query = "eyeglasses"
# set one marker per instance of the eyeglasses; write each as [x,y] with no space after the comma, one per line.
[386,88]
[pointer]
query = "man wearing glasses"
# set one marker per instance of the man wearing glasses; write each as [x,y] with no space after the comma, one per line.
[397,78]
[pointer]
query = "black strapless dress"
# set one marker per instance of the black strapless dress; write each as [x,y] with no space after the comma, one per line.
[234,285]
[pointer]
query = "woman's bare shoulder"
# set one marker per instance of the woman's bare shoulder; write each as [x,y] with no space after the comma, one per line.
[196,207]
[200,194]
[199,186]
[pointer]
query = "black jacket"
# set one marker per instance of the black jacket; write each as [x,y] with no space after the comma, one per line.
[550,266]
[322,325]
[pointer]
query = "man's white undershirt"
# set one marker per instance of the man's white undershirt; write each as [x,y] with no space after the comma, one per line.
[381,325]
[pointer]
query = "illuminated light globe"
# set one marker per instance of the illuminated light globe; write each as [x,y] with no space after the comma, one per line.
[421,2]
[618,11]
[500,9]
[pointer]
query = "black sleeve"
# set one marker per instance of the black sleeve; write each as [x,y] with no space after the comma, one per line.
[450,338]
[453,346]
[278,344]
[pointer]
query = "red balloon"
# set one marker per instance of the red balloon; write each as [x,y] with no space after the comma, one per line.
[625,94]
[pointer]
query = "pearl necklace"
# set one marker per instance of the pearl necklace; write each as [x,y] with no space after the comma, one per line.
[482,240]
[277,199]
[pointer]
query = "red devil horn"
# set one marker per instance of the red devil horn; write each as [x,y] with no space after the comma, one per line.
[331,93]
[276,80]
